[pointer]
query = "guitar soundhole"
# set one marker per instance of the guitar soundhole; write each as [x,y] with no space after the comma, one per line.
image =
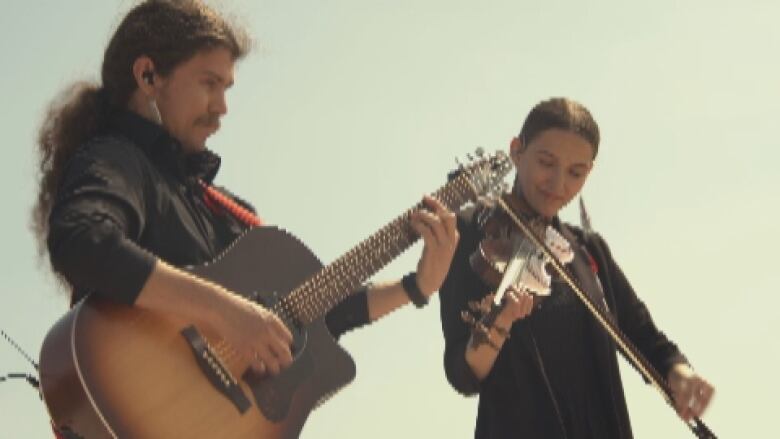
[269,300]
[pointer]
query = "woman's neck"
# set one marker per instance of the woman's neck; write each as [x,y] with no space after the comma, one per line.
[524,206]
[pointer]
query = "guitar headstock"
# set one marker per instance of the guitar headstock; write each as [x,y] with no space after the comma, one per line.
[485,173]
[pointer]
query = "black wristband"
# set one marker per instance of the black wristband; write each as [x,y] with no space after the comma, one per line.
[409,283]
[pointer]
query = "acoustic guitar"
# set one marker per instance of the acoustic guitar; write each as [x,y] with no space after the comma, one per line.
[114,371]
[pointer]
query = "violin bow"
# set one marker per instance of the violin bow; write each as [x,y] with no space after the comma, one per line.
[627,348]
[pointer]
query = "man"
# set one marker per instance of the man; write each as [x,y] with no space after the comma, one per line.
[125,194]
[557,375]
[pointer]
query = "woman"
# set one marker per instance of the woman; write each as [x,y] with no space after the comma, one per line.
[550,371]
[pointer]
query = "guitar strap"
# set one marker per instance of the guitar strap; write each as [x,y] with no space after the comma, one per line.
[214,199]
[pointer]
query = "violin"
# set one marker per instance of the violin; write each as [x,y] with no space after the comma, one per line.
[506,259]
[505,246]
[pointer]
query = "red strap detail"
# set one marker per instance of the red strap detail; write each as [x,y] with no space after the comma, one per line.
[593,265]
[213,207]
[214,199]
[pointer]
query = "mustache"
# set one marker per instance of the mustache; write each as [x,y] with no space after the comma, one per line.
[210,120]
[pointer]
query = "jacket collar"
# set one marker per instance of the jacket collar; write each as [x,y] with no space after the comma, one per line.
[163,150]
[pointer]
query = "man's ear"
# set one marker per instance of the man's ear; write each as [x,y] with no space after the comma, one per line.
[144,74]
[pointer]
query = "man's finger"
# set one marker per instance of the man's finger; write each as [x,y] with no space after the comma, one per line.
[432,223]
[280,329]
[451,226]
[282,353]
[424,230]
[258,366]
[262,354]
[445,216]
[434,205]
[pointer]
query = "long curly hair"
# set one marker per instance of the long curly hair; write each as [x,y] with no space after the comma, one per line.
[169,32]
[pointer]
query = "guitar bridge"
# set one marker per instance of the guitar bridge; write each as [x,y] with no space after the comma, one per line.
[216,372]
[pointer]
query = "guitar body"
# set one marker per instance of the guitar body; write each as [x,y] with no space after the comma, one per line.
[109,370]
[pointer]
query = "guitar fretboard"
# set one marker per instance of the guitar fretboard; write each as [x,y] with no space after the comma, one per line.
[320,293]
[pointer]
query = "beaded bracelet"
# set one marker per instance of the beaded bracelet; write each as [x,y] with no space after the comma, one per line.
[482,337]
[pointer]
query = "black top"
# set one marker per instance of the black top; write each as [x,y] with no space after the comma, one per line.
[557,375]
[130,195]
[560,326]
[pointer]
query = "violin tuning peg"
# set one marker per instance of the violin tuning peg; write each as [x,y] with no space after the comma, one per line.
[468,318]
[486,304]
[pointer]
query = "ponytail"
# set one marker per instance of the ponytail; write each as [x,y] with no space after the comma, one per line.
[78,114]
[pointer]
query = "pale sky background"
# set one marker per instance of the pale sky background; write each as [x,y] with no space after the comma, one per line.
[351,109]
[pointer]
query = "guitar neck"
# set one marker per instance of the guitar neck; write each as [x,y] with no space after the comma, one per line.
[320,293]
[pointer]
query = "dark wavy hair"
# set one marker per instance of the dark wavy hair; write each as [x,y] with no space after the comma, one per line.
[169,32]
[564,114]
